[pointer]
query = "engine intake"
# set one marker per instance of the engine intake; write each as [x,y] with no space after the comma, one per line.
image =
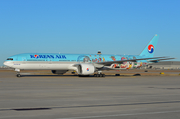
[85,69]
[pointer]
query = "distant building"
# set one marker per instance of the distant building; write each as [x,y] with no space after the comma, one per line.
[165,65]
[5,67]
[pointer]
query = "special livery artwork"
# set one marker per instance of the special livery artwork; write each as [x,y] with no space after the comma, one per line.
[103,58]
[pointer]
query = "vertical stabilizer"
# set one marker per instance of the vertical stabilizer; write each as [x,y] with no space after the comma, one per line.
[151,47]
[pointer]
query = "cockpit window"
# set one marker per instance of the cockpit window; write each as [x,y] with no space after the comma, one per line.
[9,58]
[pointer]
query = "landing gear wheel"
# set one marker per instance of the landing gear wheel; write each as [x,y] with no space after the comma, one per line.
[18,75]
[99,75]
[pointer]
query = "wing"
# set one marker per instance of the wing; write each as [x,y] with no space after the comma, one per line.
[157,60]
[154,59]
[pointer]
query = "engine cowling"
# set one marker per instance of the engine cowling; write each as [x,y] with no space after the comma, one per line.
[60,72]
[85,69]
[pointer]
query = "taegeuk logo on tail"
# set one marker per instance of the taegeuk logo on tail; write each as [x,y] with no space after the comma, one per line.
[150,48]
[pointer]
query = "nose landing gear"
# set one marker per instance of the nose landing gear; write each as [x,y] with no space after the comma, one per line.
[18,72]
[18,75]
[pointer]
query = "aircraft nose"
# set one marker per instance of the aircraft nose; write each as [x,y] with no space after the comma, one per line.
[6,63]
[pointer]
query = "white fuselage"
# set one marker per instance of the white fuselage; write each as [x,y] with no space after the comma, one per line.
[32,65]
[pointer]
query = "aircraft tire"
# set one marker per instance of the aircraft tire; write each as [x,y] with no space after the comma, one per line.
[99,75]
[18,75]
[102,75]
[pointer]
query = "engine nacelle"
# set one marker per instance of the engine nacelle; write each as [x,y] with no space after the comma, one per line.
[85,69]
[60,72]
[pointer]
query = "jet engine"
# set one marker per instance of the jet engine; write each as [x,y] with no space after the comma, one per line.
[60,72]
[85,69]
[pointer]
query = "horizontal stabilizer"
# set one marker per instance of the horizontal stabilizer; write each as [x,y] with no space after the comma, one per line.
[160,60]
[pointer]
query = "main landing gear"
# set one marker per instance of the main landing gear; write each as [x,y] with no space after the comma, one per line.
[99,74]
[18,72]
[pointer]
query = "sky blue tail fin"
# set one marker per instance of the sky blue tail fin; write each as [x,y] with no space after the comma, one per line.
[150,48]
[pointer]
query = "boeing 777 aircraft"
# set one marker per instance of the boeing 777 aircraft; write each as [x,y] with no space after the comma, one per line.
[83,64]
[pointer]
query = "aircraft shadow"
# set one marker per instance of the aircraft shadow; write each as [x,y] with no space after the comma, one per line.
[84,106]
[90,76]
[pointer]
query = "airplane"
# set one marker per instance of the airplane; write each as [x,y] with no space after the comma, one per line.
[84,64]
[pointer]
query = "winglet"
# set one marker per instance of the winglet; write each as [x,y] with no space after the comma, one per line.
[151,47]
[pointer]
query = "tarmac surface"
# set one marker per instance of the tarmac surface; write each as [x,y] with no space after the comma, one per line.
[73,97]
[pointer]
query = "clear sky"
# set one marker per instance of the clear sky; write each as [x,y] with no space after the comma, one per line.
[86,26]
